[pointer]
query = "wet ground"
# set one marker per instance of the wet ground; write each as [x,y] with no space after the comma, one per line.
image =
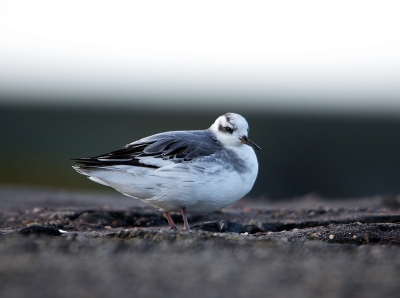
[62,244]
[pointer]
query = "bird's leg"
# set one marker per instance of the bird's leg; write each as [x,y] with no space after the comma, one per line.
[185,221]
[172,226]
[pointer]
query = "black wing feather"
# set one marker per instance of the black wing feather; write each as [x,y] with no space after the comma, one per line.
[179,146]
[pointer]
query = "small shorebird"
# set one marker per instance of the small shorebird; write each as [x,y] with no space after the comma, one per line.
[198,171]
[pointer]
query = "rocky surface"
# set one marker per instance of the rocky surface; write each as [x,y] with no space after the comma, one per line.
[299,248]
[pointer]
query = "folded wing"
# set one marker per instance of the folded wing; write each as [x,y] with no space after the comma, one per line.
[176,147]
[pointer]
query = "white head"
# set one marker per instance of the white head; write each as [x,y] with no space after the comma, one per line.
[232,130]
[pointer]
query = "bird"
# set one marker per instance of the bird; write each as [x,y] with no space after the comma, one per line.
[188,172]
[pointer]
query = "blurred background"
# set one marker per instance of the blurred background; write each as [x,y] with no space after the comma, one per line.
[318,82]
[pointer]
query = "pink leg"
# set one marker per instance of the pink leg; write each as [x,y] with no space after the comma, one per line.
[185,221]
[172,226]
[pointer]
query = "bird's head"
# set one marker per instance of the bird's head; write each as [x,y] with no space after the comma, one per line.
[232,130]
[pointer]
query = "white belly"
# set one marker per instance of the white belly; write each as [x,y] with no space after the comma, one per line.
[203,194]
[201,186]
[203,191]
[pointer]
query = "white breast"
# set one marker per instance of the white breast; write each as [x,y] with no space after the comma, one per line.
[203,191]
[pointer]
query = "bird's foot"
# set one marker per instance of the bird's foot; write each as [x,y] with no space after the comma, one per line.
[185,221]
[172,226]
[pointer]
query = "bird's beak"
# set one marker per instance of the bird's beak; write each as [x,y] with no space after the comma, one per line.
[247,141]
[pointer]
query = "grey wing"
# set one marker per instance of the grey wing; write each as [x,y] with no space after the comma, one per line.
[176,146]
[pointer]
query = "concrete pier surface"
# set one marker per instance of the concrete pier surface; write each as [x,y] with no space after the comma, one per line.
[67,244]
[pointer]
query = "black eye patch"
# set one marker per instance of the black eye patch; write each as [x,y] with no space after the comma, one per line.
[225,129]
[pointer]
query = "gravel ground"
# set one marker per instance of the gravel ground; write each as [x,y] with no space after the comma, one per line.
[60,244]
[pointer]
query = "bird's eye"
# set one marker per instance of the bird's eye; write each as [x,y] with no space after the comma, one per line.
[228,129]
[225,129]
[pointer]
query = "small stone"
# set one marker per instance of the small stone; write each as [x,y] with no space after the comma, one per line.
[266,227]
[210,226]
[331,236]
[233,227]
[224,225]
[252,229]
[40,230]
